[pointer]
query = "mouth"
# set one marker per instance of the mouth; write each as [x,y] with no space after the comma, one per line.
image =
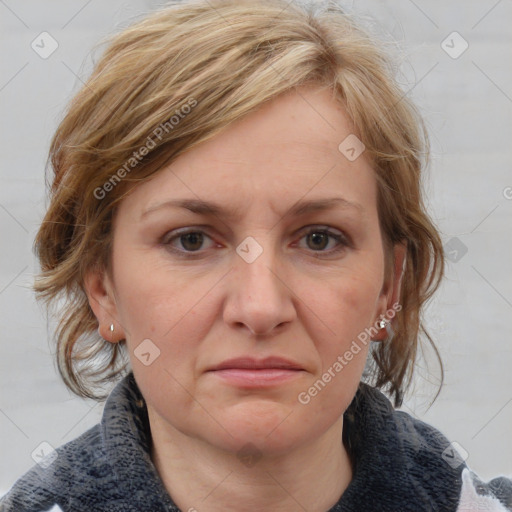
[250,363]
[248,372]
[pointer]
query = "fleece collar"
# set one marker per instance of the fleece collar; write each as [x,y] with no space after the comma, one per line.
[126,439]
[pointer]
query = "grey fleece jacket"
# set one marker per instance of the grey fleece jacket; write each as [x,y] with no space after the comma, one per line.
[400,464]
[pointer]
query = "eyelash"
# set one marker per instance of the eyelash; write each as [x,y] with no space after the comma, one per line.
[343,241]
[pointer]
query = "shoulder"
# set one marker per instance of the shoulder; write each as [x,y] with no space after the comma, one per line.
[414,464]
[106,469]
[409,440]
[475,494]
[444,463]
[65,477]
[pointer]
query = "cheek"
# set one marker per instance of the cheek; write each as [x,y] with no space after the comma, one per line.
[347,305]
[153,299]
[357,301]
[163,306]
[347,308]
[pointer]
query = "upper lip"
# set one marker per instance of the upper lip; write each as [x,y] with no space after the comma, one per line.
[251,363]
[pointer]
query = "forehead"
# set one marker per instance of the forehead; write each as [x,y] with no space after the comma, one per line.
[285,151]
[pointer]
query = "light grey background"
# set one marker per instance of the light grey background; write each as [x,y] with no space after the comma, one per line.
[467,103]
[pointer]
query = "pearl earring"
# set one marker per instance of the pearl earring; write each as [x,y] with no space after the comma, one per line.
[382,323]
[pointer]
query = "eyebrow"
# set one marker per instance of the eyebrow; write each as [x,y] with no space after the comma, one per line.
[201,207]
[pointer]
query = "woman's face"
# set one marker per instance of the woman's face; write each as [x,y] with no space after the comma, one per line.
[252,281]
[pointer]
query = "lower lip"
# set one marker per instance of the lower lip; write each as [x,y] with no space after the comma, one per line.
[257,378]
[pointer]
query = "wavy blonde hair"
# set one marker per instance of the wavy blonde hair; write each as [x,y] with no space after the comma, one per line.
[230,56]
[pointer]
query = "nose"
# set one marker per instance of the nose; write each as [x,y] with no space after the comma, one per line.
[260,299]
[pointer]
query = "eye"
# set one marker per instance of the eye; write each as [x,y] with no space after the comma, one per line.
[319,238]
[189,240]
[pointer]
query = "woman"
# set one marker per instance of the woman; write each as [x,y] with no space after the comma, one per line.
[236,207]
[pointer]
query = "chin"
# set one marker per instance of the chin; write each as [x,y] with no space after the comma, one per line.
[265,427]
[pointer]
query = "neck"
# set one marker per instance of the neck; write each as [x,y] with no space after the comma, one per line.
[203,478]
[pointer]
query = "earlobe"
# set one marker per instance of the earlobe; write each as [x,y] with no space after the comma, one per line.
[393,290]
[99,292]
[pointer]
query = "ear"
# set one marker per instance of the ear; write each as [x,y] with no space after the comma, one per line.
[100,293]
[392,288]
